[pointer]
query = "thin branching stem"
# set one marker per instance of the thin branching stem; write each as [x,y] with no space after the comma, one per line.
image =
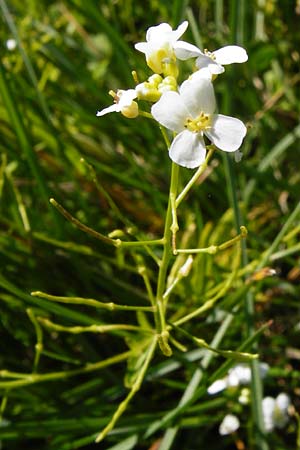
[135,388]
[92,328]
[115,242]
[110,306]
[167,254]
[27,379]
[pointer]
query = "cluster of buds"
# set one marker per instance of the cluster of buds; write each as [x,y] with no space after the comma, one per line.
[187,109]
[152,89]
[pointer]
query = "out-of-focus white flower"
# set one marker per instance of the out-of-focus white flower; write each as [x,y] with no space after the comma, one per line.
[161,45]
[229,425]
[238,375]
[11,44]
[275,411]
[190,113]
[213,61]
[217,386]
[123,103]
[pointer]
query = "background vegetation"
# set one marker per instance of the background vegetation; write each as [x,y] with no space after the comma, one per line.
[69,54]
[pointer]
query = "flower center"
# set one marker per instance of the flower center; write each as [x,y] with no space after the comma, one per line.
[209,54]
[200,123]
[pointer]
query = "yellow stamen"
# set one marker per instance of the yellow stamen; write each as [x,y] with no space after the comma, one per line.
[209,54]
[114,96]
[200,123]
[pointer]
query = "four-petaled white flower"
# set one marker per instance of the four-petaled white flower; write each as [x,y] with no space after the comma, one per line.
[213,61]
[161,45]
[123,103]
[190,113]
[275,411]
[229,425]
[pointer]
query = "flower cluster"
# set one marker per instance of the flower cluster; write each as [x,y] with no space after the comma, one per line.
[238,375]
[275,410]
[275,415]
[189,109]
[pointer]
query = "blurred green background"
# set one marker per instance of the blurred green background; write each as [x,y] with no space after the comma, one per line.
[59,59]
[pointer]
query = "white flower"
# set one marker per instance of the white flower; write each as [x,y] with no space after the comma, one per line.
[190,113]
[238,375]
[11,44]
[217,386]
[123,103]
[213,61]
[229,425]
[275,411]
[161,45]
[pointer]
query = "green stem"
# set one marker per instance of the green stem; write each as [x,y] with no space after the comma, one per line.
[211,302]
[92,328]
[144,274]
[136,386]
[39,339]
[230,354]
[115,242]
[110,306]
[167,254]
[195,177]
[27,379]
[213,249]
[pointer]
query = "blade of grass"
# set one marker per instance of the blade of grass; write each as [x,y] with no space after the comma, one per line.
[238,23]
[11,24]
[20,129]
[46,305]
[271,156]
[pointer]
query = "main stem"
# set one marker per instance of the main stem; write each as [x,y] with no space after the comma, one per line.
[162,274]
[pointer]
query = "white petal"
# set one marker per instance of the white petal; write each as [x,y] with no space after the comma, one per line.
[176,34]
[283,401]
[184,50]
[158,32]
[263,369]
[188,149]
[268,407]
[126,97]
[202,73]
[204,61]
[229,425]
[242,372]
[233,379]
[230,54]
[170,111]
[217,386]
[109,109]
[141,46]
[198,95]
[227,133]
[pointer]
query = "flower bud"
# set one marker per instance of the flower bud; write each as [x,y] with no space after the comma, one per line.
[130,111]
